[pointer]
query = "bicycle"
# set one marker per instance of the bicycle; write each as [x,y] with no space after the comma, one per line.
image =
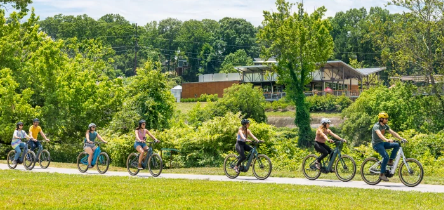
[261,164]
[409,168]
[151,160]
[28,159]
[100,160]
[44,158]
[345,165]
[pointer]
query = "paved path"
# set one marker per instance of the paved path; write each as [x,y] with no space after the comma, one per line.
[277,180]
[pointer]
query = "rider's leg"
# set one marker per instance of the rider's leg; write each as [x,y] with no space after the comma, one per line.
[241,150]
[90,152]
[395,147]
[24,146]
[381,150]
[39,145]
[141,151]
[18,151]
[319,147]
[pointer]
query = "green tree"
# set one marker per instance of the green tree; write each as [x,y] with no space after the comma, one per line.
[238,34]
[300,43]
[17,4]
[238,58]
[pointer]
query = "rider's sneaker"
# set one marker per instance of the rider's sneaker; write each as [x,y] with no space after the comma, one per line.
[14,162]
[318,165]
[90,166]
[19,161]
[383,178]
[390,162]
[236,169]
[140,167]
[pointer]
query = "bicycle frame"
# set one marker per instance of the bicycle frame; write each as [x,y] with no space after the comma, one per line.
[393,168]
[253,154]
[149,152]
[95,154]
[333,155]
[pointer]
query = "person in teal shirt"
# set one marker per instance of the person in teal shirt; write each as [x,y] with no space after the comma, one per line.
[89,145]
[380,143]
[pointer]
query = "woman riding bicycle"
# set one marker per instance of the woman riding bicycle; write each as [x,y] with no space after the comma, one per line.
[89,145]
[16,143]
[140,144]
[321,138]
[241,145]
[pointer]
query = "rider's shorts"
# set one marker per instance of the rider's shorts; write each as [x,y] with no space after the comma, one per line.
[89,145]
[142,144]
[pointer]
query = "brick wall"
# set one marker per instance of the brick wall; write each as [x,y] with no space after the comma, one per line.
[189,90]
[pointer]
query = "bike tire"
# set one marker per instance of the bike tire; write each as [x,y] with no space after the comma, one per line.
[419,169]
[229,163]
[339,167]
[307,167]
[267,172]
[29,160]
[82,167]
[155,165]
[102,160]
[366,174]
[132,159]
[10,159]
[44,159]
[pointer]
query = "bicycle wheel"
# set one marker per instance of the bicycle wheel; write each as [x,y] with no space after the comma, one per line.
[132,164]
[29,160]
[155,165]
[229,164]
[11,156]
[102,163]
[262,167]
[44,159]
[370,170]
[82,162]
[309,168]
[411,174]
[345,168]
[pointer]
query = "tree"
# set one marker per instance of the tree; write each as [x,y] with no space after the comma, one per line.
[238,34]
[168,30]
[238,58]
[17,4]
[300,42]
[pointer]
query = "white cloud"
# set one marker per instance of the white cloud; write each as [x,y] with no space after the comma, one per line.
[143,11]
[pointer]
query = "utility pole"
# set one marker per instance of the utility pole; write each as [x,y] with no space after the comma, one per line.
[135,52]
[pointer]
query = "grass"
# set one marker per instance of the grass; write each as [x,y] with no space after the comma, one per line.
[292,114]
[26,190]
[186,107]
[428,178]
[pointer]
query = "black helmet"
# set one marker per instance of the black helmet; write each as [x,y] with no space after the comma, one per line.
[245,121]
[35,120]
[141,121]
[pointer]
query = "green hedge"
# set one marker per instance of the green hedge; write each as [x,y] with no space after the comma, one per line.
[202,98]
[328,103]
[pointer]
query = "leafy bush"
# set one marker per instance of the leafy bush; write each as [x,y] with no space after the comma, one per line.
[328,103]
[202,98]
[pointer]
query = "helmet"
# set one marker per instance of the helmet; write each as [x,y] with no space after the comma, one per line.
[91,125]
[141,122]
[383,115]
[245,121]
[19,123]
[35,120]
[325,120]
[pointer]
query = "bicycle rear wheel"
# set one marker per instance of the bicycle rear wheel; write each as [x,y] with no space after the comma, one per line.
[370,170]
[155,165]
[81,159]
[229,164]
[309,168]
[11,156]
[44,159]
[132,164]
[412,173]
[262,167]
[29,160]
[102,163]
[345,168]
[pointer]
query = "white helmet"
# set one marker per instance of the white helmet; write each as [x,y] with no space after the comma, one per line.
[325,120]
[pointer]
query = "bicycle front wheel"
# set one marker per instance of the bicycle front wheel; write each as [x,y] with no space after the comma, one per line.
[155,165]
[229,164]
[11,156]
[411,173]
[370,170]
[29,160]
[345,168]
[262,167]
[81,160]
[102,163]
[309,168]
[132,164]
[44,159]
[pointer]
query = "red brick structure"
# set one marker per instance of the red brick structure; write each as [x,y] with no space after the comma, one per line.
[195,89]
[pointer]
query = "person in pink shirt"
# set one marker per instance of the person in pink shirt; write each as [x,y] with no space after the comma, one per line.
[321,137]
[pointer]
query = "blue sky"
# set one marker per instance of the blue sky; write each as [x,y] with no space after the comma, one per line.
[143,11]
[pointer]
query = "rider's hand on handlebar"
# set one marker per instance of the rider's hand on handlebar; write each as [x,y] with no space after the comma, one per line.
[331,141]
[404,140]
[156,140]
[344,140]
[390,140]
[247,140]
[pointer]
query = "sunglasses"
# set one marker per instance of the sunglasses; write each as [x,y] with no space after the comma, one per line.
[93,127]
[143,123]
[20,125]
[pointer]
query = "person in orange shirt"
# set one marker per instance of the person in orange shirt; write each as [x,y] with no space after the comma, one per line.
[34,131]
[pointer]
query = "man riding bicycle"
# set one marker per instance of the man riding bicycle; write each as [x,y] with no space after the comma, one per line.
[380,143]
[34,131]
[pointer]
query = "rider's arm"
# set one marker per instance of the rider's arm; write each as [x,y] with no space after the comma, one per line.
[98,136]
[241,134]
[395,134]
[254,137]
[323,134]
[151,135]
[378,132]
[137,136]
[44,136]
[336,136]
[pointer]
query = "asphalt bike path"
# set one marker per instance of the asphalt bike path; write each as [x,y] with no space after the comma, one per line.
[270,180]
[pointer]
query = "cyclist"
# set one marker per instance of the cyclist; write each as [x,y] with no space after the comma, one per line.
[16,143]
[380,143]
[89,145]
[321,138]
[241,145]
[140,144]
[34,131]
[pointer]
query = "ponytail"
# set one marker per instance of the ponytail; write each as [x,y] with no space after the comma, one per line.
[245,131]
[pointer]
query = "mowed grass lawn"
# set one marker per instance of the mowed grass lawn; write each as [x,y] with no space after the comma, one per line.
[26,190]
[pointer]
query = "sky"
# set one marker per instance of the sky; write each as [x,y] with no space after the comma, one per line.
[144,11]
